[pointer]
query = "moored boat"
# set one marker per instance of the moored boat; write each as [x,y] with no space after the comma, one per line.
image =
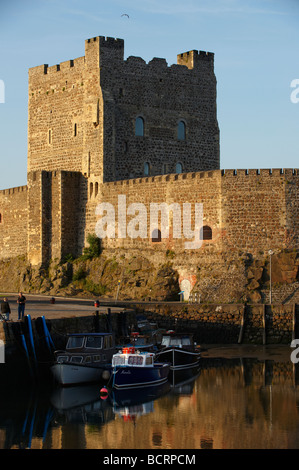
[179,349]
[132,368]
[87,358]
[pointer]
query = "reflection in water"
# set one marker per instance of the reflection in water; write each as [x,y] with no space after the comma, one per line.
[243,403]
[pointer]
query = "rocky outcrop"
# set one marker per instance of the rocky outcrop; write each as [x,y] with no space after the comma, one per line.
[242,279]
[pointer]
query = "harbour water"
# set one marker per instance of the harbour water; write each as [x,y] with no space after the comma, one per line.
[239,398]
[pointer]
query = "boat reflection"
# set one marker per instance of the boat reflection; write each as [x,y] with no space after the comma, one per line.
[182,381]
[81,404]
[130,404]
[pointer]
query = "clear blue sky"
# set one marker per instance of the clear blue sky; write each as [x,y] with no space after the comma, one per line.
[256,46]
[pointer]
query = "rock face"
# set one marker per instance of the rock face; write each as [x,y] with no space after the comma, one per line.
[139,278]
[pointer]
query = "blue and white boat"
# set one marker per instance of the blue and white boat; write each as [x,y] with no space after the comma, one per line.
[132,368]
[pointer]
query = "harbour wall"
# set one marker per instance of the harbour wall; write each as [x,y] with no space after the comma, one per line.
[210,324]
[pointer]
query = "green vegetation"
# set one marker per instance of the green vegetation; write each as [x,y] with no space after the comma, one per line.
[94,249]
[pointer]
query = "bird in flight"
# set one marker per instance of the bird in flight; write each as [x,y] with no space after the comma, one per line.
[125,14]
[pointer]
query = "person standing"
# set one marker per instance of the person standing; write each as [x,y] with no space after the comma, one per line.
[21,306]
[5,309]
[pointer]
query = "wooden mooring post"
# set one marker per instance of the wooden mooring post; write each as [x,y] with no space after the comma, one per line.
[264,324]
[242,326]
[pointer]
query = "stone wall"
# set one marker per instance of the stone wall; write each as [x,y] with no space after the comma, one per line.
[228,324]
[13,222]
[82,114]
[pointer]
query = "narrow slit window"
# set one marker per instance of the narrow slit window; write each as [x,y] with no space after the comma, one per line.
[181,130]
[179,168]
[146,169]
[139,126]
[50,136]
[75,130]
[91,189]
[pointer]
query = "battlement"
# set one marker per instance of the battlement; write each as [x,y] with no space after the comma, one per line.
[11,191]
[261,172]
[276,172]
[191,58]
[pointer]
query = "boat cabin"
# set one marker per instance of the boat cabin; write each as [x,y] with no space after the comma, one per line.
[177,340]
[87,348]
[131,357]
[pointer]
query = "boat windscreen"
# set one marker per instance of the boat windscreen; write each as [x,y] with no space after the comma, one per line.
[94,342]
[75,342]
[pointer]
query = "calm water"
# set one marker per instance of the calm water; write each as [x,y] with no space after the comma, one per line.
[240,403]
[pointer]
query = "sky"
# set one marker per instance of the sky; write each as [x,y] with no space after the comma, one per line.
[256,47]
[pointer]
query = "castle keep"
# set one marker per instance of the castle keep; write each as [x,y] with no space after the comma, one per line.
[100,126]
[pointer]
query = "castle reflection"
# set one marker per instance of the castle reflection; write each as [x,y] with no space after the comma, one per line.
[233,404]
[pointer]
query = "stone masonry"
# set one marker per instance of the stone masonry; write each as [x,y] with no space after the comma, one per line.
[101,127]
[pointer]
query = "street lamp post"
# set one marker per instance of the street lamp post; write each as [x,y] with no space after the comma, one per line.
[270,253]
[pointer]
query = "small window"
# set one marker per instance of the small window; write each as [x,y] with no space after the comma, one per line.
[146,169]
[139,126]
[181,130]
[156,235]
[96,189]
[206,233]
[50,136]
[94,342]
[0,218]
[165,169]
[75,342]
[91,189]
[179,168]
[75,130]
[76,359]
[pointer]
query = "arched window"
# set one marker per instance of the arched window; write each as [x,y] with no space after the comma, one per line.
[139,126]
[146,169]
[181,130]
[206,233]
[96,189]
[90,189]
[156,235]
[179,168]
[0,218]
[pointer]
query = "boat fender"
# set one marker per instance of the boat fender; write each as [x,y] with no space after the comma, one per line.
[106,374]
[104,393]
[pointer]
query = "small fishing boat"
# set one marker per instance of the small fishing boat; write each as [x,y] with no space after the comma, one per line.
[179,349]
[87,358]
[140,342]
[132,368]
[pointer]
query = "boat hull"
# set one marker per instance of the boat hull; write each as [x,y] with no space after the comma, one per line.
[133,377]
[178,358]
[72,374]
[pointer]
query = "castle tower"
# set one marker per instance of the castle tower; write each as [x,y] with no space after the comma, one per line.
[114,119]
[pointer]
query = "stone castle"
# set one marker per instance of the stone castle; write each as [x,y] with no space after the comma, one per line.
[100,126]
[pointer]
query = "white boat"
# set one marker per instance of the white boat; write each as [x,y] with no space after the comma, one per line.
[87,358]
